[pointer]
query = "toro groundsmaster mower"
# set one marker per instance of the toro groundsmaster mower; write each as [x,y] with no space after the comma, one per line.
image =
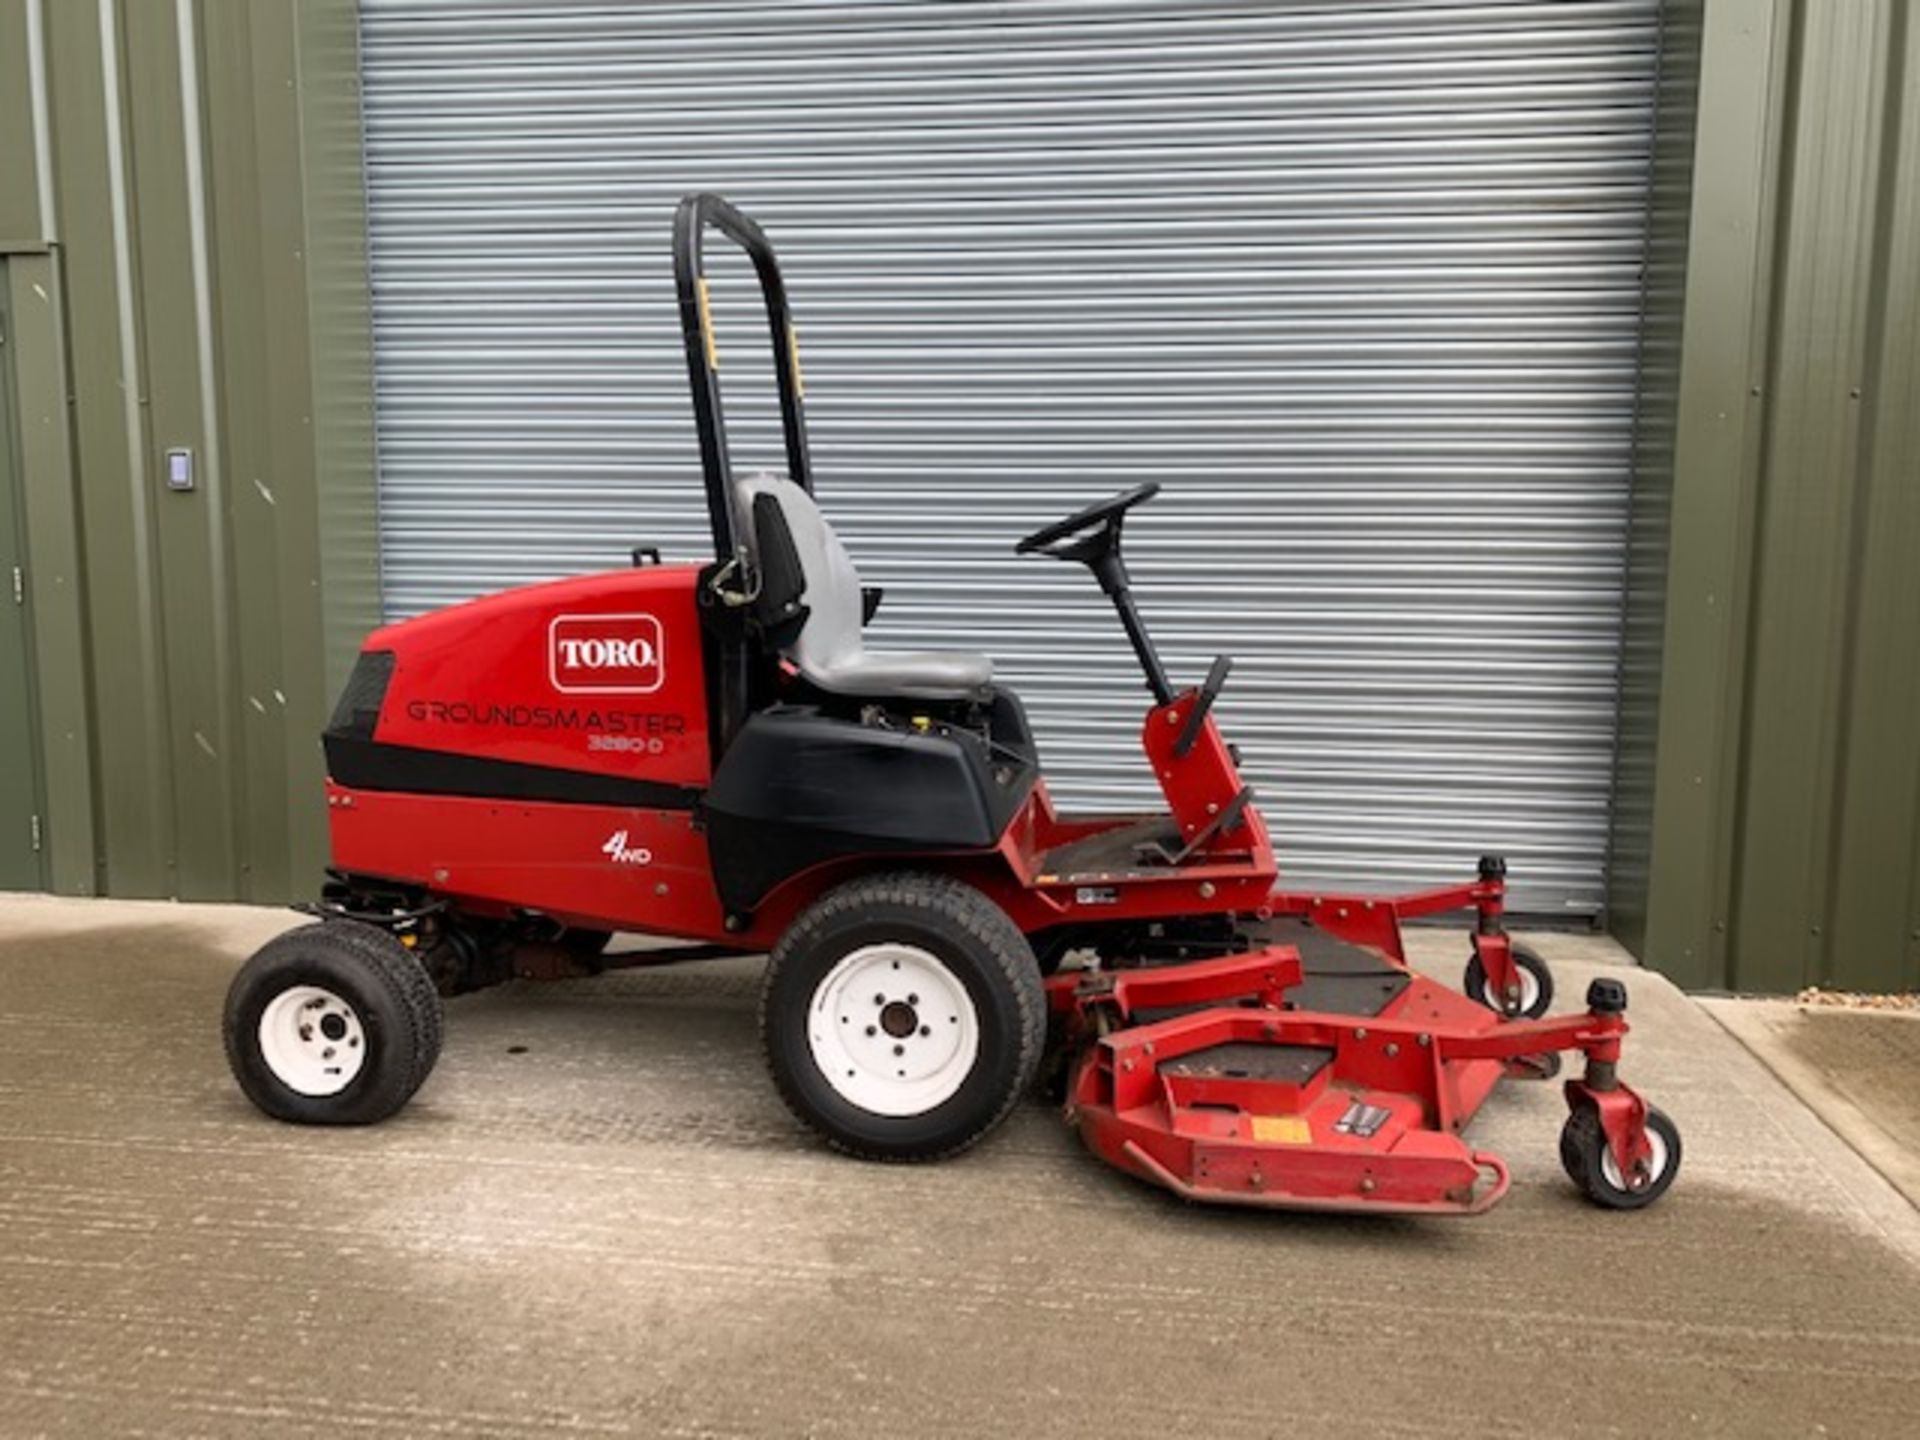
[709,753]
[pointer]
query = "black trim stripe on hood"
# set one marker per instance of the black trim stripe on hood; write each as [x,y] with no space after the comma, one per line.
[362,764]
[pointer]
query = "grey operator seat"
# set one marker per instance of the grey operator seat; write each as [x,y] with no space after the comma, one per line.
[828,651]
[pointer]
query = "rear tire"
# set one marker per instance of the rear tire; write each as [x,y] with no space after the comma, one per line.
[903,1016]
[332,1024]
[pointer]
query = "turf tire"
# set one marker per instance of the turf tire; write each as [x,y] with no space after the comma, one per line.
[976,942]
[390,992]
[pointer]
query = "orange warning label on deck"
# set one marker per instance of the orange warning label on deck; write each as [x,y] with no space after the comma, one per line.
[1282,1129]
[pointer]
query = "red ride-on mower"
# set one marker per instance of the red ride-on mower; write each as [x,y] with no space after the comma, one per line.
[711,753]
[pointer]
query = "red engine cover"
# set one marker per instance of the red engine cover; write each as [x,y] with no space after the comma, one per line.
[600,673]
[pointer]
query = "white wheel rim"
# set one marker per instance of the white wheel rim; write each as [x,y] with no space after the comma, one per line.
[893,1030]
[1529,990]
[312,1040]
[1656,1162]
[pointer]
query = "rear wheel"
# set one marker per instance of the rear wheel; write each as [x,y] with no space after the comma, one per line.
[332,1024]
[903,1016]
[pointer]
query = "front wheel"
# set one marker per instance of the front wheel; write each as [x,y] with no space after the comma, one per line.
[332,1024]
[902,1016]
[1536,984]
[1589,1162]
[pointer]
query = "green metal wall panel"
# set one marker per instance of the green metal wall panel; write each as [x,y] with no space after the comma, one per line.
[197,151]
[1643,626]
[21,138]
[1787,810]
[1808,502]
[20,805]
[168,205]
[1875,861]
[100,262]
[257,479]
[54,574]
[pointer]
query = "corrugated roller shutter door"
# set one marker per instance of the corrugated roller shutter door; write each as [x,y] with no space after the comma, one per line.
[1358,283]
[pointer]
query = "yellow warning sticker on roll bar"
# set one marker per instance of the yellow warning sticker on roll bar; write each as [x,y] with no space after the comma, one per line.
[706,324]
[793,356]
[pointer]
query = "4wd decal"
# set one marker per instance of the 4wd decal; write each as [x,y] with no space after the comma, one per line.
[606,654]
[622,853]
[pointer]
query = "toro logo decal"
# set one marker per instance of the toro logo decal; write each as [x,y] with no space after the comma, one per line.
[606,654]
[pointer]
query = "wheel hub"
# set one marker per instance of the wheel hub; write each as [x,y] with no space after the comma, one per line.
[1648,1171]
[893,1030]
[312,1040]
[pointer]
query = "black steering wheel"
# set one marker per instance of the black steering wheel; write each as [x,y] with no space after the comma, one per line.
[1097,513]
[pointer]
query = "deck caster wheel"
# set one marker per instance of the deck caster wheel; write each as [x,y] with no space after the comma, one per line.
[1534,1067]
[1589,1163]
[903,1016]
[1536,984]
[332,1024]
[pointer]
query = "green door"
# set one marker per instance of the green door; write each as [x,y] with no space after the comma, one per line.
[20,843]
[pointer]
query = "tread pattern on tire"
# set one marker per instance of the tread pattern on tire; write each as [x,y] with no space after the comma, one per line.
[396,970]
[1577,1135]
[984,921]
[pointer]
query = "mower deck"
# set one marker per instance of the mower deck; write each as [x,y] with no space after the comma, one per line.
[1312,1074]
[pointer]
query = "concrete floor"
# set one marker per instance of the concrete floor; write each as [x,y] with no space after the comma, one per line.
[596,1219]
[1859,1070]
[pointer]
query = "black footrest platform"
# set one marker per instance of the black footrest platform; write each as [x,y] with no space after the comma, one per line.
[1295,1064]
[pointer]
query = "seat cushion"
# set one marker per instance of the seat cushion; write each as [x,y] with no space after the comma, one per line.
[910,674]
[829,650]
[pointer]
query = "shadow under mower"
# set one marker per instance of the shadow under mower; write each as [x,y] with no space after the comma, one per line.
[709,752]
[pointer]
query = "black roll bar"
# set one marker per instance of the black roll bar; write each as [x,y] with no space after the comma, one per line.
[690,221]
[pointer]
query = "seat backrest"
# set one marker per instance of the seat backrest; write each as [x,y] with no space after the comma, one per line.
[832,598]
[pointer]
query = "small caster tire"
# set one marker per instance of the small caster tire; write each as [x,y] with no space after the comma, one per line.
[1535,1067]
[1589,1163]
[903,1017]
[1536,984]
[332,1024]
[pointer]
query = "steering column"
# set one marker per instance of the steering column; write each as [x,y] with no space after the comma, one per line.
[1097,546]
